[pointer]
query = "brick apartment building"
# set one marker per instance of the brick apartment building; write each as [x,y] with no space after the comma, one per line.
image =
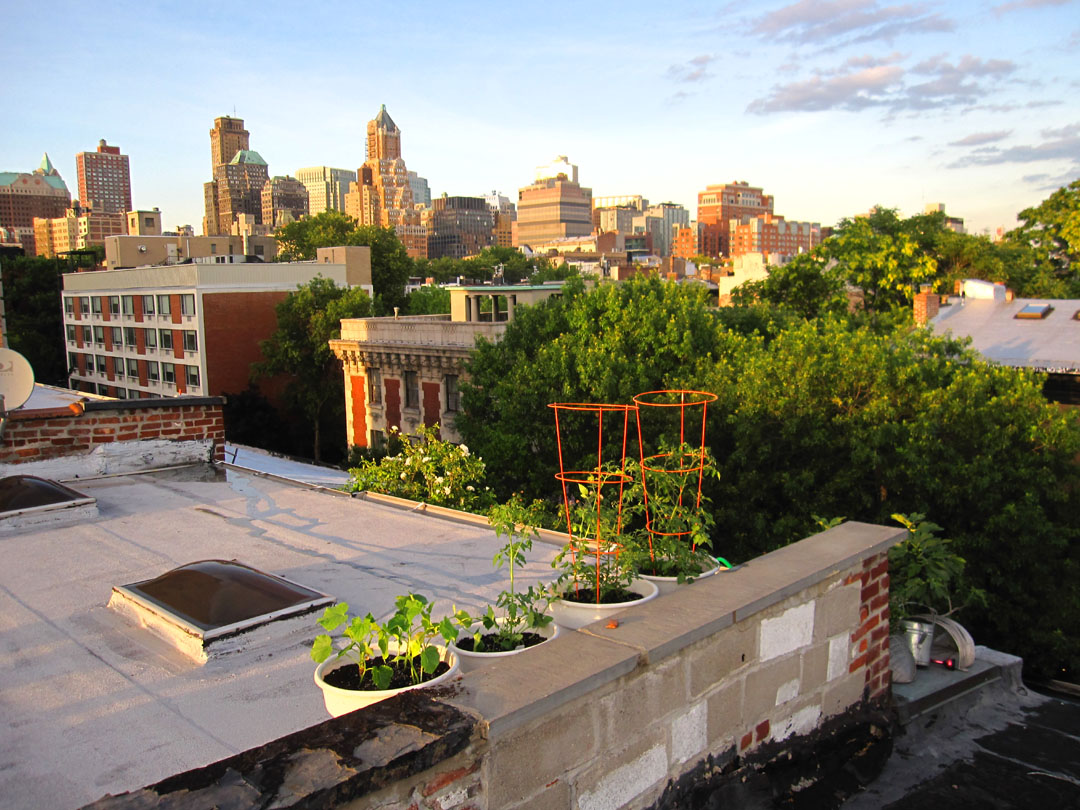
[718,205]
[772,234]
[104,180]
[186,329]
[26,195]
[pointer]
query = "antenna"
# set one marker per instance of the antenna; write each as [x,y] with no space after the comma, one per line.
[16,383]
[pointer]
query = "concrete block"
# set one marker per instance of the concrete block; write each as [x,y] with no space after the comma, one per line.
[725,714]
[625,783]
[521,765]
[723,656]
[787,691]
[839,656]
[690,733]
[815,667]
[842,694]
[799,722]
[554,796]
[837,612]
[792,629]
[763,685]
[641,698]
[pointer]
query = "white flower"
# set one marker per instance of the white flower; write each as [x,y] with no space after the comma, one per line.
[464,449]
[402,476]
[446,490]
[427,459]
[471,488]
[438,479]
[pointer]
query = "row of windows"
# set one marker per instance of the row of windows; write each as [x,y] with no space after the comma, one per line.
[126,336]
[161,304]
[451,396]
[155,371]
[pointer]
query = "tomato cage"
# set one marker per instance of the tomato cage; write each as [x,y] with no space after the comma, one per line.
[673,461]
[594,435]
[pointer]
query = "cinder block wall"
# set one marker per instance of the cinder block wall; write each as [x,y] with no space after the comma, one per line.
[79,430]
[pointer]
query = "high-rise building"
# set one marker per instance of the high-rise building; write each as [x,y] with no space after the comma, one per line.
[459,227]
[634,203]
[718,205]
[554,206]
[326,187]
[26,196]
[239,176]
[383,192]
[421,191]
[672,217]
[284,200]
[505,213]
[104,180]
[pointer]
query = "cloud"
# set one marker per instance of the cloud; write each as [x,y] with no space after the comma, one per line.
[824,23]
[694,70]
[1005,8]
[1048,182]
[1060,144]
[869,81]
[980,138]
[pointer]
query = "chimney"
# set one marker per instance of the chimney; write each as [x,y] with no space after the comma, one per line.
[927,305]
[1009,294]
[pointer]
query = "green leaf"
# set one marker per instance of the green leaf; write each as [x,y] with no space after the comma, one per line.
[321,648]
[429,659]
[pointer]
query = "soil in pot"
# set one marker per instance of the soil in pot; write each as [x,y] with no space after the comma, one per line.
[347,676]
[491,642]
[587,596]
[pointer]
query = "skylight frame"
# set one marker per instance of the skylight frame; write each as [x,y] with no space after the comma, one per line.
[1034,312]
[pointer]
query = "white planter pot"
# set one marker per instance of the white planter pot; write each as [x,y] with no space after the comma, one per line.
[342,701]
[669,584]
[572,615]
[469,660]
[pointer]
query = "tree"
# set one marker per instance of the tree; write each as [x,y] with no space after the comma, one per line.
[428,300]
[806,285]
[307,320]
[1052,230]
[390,262]
[32,309]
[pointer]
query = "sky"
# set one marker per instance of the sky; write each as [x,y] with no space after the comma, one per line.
[832,107]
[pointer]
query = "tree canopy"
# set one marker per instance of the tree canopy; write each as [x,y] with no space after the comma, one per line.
[32,309]
[1052,231]
[390,262]
[307,320]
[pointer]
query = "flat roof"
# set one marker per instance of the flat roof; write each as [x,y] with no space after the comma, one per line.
[1051,343]
[91,704]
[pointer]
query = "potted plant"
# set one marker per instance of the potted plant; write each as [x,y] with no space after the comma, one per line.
[373,661]
[925,584]
[522,621]
[598,577]
[672,520]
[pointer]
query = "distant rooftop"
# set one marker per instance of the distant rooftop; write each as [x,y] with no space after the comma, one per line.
[248,156]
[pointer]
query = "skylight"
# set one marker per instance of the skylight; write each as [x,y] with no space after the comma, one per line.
[1035,311]
[26,500]
[198,603]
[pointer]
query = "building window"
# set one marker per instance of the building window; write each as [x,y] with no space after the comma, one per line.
[192,376]
[168,373]
[114,304]
[70,333]
[153,372]
[128,302]
[450,383]
[151,338]
[117,336]
[99,335]
[374,378]
[99,362]
[148,305]
[129,336]
[73,363]
[164,305]
[121,393]
[165,339]
[191,341]
[69,305]
[187,304]
[377,439]
[412,390]
[148,222]
[95,305]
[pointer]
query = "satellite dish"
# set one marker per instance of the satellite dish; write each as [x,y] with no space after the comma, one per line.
[16,380]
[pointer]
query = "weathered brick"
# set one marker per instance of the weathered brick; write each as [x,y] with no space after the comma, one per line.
[442,780]
[865,628]
[858,662]
[761,730]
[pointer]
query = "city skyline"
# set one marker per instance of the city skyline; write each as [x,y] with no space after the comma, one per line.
[831,107]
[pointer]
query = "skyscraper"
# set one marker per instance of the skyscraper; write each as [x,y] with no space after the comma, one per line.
[104,180]
[239,176]
[326,187]
[555,206]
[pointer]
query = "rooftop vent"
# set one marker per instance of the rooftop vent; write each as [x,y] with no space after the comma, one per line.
[26,500]
[202,603]
[1035,311]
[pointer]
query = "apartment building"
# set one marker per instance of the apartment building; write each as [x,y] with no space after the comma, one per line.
[404,372]
[185,329]
[104,179]
[718,205]
[772,234]
[25,196]
[555,206]
[77,229]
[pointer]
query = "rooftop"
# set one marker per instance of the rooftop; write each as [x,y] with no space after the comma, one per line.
[93,704]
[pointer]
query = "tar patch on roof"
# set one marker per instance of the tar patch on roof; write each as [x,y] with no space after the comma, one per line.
[1034,312]
[202,602]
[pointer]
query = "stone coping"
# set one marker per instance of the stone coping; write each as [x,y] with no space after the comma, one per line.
[516,690]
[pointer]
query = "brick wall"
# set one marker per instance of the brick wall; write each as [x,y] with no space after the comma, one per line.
[78,430]
[233,325]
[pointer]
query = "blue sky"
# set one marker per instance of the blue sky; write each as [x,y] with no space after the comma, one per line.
[829,106]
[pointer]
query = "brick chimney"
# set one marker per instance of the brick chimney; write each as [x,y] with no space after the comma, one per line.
[927,305]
